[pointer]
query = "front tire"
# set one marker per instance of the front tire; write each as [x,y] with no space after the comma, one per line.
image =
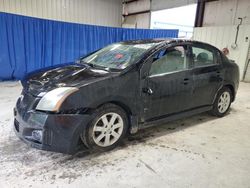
[107,128]
[222,102]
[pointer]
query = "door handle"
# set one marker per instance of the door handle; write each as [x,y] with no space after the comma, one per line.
[185,81]
[147,90]
[218,75]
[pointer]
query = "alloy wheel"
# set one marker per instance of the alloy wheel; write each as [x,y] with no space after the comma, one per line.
[224,102]
[108,129]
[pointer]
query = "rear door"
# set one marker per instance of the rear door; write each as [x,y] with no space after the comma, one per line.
[207,74]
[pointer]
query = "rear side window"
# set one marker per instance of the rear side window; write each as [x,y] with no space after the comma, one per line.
[202,57]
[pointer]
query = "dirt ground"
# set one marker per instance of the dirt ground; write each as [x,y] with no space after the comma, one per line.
[200,151]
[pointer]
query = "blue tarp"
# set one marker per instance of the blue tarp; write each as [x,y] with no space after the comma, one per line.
[28,44]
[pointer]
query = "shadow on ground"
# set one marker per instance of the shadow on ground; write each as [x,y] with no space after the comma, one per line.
[145,135]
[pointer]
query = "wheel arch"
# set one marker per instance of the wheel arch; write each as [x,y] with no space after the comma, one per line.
[231,87]
[121,105]
[132,117]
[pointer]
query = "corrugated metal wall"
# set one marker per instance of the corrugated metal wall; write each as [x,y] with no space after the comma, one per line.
[140,20]
[247,71]
[96,12]
[224,36]
[226,12]
[166,4]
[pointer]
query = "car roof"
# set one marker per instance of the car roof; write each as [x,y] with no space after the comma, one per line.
[145,41]
[161,41]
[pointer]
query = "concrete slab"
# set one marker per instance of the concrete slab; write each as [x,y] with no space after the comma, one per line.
[200,151]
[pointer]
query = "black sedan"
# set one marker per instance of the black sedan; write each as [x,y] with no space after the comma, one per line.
[120,89]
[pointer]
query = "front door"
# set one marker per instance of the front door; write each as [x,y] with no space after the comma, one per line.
[168,87]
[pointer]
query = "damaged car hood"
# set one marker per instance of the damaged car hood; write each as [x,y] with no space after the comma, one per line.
[75,75]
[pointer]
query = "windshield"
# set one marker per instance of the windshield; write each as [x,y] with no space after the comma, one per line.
[117,56]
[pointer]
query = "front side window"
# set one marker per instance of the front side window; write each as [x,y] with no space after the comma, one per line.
[202,57]
[169,60]
[117,56]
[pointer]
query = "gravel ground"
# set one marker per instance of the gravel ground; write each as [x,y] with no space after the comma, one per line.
[200,151]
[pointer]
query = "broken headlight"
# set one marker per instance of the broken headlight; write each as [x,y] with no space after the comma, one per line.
[52,100]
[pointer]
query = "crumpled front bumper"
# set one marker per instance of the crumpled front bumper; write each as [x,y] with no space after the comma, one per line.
[59,132]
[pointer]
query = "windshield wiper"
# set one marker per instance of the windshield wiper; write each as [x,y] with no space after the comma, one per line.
[85,63]
[99,67]
[95,66]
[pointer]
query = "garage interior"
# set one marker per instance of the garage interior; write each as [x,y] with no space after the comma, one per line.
[199,151]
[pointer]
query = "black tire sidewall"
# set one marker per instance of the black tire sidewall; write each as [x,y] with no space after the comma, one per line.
[107,108]
[215,110]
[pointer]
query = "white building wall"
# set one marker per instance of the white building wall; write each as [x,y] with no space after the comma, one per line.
[220,23]
[247,69]
[137,20]
[137,6]
[224,36]
[143,20]
[96,12]
[166,4]
[226,12]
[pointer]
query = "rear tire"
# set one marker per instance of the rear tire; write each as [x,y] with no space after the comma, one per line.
[107,128]
[222,102]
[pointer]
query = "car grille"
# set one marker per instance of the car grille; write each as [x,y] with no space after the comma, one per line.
[25,103]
